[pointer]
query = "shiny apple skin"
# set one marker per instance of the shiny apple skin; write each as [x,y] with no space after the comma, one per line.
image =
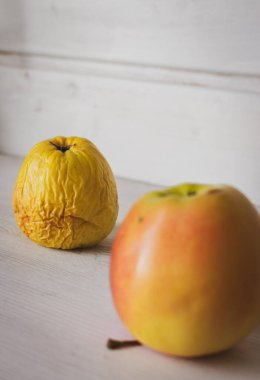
[185,270]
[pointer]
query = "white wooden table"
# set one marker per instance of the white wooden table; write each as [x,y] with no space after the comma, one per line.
[56,312]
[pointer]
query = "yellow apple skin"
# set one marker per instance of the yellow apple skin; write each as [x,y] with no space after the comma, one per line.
[65,195]
[185,269]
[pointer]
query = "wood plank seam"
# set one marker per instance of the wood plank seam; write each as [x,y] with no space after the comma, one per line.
[167,75]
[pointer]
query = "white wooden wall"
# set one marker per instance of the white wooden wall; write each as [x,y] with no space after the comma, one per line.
[169,90]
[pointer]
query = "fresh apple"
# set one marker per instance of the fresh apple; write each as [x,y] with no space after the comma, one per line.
[185,269]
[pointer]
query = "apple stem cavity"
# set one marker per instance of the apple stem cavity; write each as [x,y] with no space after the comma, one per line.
[191,193]
[62,148]
[113,344]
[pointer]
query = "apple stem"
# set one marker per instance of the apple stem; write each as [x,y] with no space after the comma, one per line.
[61,147]
[114,344]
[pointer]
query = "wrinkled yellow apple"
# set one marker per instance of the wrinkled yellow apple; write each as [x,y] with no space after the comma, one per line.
[185,269]
[65,195]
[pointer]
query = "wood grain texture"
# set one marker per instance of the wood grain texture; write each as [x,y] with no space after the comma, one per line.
[148,131]
[228,81]
[56,312]
[220,36]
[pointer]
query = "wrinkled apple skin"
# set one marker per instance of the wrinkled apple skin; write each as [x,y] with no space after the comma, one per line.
[65,195]
[185,269]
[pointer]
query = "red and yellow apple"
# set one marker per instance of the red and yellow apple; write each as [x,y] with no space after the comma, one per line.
[185,269]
